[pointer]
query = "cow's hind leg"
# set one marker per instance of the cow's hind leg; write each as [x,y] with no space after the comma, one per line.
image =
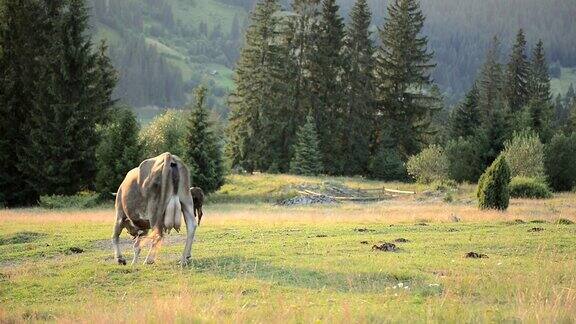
[190,220]
[118,227]
[137,248]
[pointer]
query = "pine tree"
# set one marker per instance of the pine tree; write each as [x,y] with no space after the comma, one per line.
[466,118]
[203,153]
[517,75]
[403,76]
[539,80]
[107,79]
[490,83]
[23,40]
[326,69]
[359,114]
[252,101]
[307,158]
[63,137]
[119,150]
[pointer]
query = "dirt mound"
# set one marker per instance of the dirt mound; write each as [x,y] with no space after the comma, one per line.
[401,240]
[536,229]
[475,255]
[385,247]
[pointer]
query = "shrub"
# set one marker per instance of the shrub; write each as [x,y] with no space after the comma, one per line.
[166,133]
[492,189]
[525,156]
[81,200]
[387,165]
[465,161]
[561,162]
[521,187]
[429,165]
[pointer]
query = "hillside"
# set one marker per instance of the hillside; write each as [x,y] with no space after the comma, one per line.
[164,48]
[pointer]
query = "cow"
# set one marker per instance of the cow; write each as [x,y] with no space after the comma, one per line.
[198,197]
[153,197]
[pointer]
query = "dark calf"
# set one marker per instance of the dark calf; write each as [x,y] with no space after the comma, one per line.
[198,197]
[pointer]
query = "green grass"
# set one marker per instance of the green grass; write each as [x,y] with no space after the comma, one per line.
[258,262]
[561,85]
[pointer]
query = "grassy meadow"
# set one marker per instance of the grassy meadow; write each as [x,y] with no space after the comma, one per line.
[258,262]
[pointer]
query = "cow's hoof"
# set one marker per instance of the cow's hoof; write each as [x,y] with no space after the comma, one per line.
[121,261]
[149,261]
[185,262]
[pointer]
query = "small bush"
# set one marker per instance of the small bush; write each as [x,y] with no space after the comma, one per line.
[521,187]
[525,156]
[493,189]
[84,199]
[429,165]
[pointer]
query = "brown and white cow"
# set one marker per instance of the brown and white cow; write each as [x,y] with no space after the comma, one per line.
[153,197]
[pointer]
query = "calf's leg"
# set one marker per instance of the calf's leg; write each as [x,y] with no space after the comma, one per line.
[190,220]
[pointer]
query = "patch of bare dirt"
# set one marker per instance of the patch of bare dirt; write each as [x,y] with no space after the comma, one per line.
[536,229]
[401,240]
[475,255]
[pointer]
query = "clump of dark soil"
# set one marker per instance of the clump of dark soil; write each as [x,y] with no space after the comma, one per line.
[536,229]
[452,230]
[76,250]
[516,222]
[401,240]
[385,247]
[422,224]
[564,221]
[538,221]
[321,235]
[475,255]
[363,230]
[364,242]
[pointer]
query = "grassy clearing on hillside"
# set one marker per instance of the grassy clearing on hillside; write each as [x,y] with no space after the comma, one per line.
[561,85]
[264,263]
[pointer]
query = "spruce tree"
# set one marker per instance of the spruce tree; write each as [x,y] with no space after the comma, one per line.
[203,153]
[403,76]
[23,43]
[466,118]
[63,138]
[251,102]
[539,80]
[490,83]
[326,70]
[107,78]
[359,114]
[517,75]
[307,158]
[119,150]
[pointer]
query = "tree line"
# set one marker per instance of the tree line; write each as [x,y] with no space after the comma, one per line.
[373,103]
[61,131]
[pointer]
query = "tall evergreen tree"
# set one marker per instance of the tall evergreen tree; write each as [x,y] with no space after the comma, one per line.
[403,76]
[326,85]
[539,80]
[23,39]
[203,152]
[63,139]
[490,83]
[517,75]
[107,78]
[307,158]
[466,118]
[359,114]
[255,76]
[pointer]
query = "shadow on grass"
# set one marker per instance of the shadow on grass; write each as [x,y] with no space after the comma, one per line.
[234,267]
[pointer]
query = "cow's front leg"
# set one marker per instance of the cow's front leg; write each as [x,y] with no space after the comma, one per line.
[118,226]
[190,220]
